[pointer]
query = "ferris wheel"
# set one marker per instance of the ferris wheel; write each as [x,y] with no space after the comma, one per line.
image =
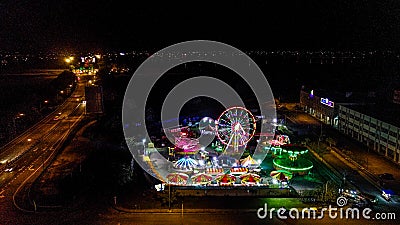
[235,127]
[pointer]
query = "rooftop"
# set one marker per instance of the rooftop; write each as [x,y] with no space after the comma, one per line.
[343,97]
[384,111]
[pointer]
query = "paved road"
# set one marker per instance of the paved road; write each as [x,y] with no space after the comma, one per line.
[31,152]
[97,211]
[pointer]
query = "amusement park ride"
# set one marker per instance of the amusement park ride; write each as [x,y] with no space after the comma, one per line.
[235,127]
[223,165]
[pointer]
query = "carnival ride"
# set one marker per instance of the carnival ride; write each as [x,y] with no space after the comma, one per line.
[186,146]
[198,165]
[235,127]
[287,157]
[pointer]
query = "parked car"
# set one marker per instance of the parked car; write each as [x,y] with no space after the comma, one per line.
[386,176]
[387,196]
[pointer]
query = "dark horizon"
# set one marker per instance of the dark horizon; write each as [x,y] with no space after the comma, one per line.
[97,25]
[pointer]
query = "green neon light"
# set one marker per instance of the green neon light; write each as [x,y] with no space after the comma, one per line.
[295,169]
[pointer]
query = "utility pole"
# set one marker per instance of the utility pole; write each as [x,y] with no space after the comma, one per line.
[182,212]
[320,136]
[326,190]
[169,196]
[367,155]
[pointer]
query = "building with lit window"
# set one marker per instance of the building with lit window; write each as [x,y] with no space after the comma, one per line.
[317,104]
[371,121]
[369,125]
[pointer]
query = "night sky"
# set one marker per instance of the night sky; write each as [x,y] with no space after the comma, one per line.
[101,24]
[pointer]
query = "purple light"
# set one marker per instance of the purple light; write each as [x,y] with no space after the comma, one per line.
[326,101]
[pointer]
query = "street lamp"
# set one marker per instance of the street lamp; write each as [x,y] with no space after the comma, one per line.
[326,189]
[16,128]
[40,104]
[144,146]
[69,62]
[169,196]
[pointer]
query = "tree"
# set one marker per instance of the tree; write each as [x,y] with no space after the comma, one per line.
[330,192]
[168,197]
[331,141]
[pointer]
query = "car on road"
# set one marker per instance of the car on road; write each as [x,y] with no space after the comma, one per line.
[10,169]
[58,116]
[386,176]
[370,199]
[387,195]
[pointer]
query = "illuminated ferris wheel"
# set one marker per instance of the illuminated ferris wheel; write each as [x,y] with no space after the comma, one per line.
[235,127]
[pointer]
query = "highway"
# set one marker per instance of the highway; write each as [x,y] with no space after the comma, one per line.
[25,157]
